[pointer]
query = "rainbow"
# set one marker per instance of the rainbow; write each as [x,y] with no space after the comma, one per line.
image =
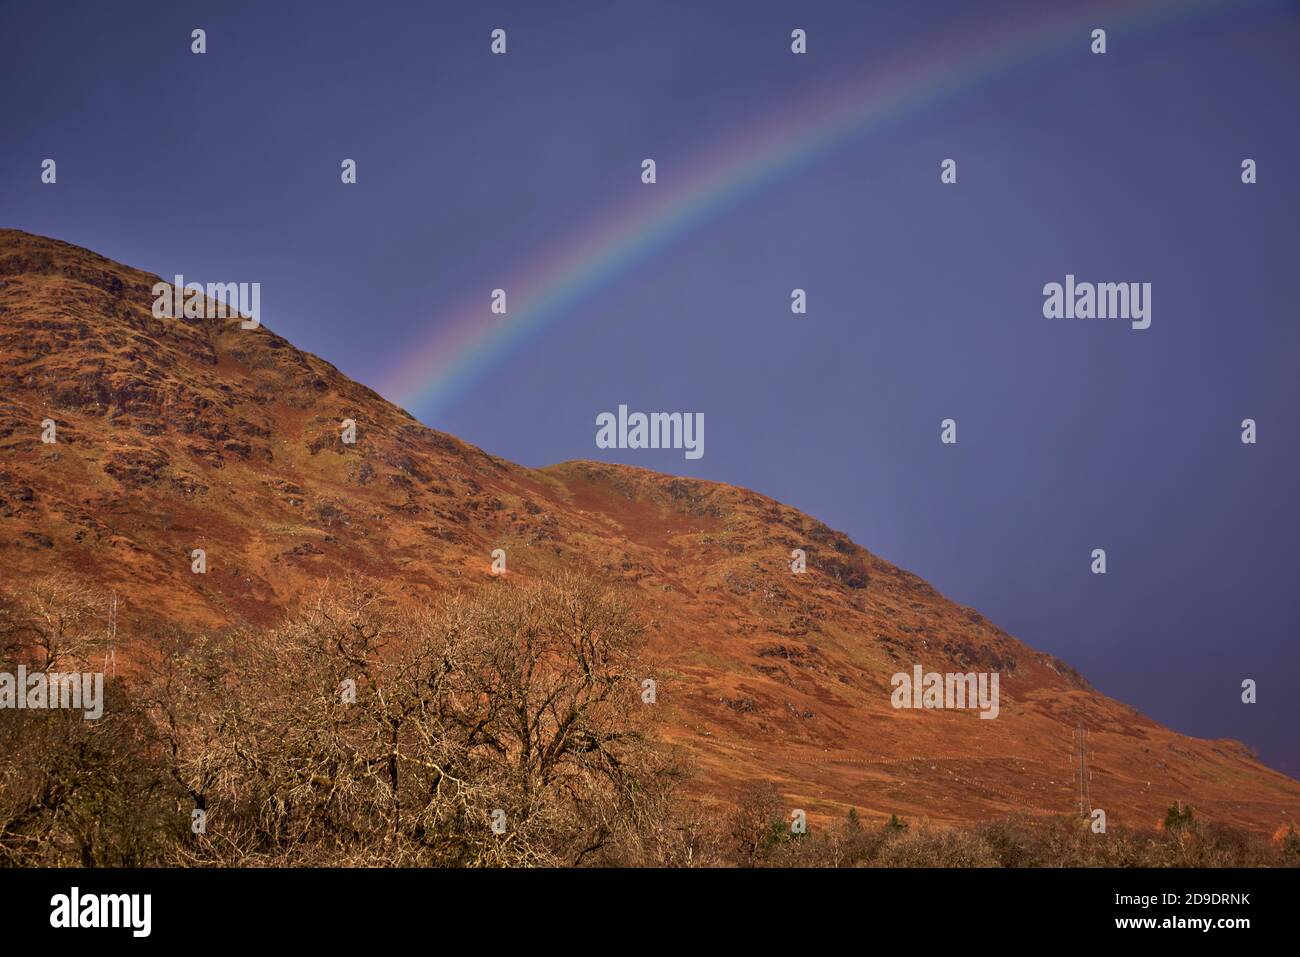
[471,340]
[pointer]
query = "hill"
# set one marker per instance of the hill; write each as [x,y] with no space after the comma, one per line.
[183,434]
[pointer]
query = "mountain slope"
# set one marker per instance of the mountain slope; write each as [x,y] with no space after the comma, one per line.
[183,434]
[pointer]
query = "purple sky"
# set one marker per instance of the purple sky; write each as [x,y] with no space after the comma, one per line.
[925,301]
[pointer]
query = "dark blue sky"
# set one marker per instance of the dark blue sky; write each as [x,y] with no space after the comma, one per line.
[925,300]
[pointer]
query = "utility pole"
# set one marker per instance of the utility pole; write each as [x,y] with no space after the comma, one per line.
[1081,770]
[111,654]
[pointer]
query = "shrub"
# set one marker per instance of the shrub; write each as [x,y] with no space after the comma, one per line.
[936,847]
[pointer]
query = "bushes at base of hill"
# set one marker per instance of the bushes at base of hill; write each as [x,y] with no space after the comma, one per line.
[357,734]
[1014,841]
